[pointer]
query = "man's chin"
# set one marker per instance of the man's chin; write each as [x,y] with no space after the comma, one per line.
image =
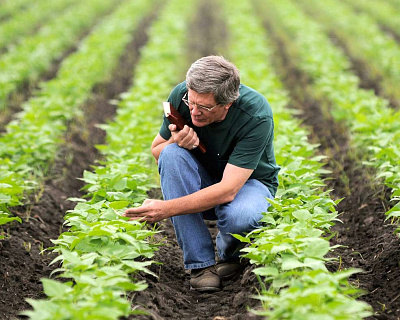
[199,123]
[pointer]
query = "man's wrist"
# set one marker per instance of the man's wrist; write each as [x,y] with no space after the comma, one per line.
[171,207]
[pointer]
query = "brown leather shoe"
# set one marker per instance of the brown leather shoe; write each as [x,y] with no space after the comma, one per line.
[229,269]
[205,279]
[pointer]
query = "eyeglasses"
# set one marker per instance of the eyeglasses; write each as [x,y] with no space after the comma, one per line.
[191,104]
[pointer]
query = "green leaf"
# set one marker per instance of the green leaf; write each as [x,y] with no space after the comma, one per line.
[119,204]
[290,262]
[318,248]
[267,271]
[55,289]
[241,238]
[4,198]
[6,218]
[76,200]
[302,215]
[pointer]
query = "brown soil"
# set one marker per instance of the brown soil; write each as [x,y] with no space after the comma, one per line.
[208,34]
[16,99]
[21,263]
[28,88]
[390,32]
[369,243]
[169,296]
[369,79]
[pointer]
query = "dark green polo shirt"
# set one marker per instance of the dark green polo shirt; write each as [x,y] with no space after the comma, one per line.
[244,138]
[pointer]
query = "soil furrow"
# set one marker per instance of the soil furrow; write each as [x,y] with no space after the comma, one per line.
[28,89]
[371,76]
[368,79]
[386,29]
[15,101]
[169,296]
[367,241]
[21,264]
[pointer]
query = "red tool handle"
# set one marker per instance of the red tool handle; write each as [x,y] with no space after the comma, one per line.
[175,118]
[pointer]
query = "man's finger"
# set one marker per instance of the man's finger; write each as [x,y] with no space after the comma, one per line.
[172,127]
[136,211]
[140,219]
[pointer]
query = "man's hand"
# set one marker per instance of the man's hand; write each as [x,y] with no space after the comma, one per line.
[151,210]
[186,138]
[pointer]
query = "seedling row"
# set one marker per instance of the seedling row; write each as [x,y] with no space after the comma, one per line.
[32,140]
[363,39]
[22,24]
[101,253]
[99,238]
[373,125]
[290,250]
[25,63]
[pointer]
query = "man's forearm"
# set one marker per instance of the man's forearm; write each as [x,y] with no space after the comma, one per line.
[201,200]
[156,210]
[222,192]
[156,150]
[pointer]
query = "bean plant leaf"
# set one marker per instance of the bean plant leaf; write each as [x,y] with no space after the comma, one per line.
[266,271]
[119,204]
[54,288]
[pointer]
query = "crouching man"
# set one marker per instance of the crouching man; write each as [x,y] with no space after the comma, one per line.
[228,183]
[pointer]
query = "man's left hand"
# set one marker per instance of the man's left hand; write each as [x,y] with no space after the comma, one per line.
[151,210]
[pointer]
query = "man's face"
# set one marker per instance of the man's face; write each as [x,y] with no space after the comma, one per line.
[204,110]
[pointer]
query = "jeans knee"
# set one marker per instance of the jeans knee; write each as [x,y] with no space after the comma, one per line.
[170,151]
[240,223]
[172,155]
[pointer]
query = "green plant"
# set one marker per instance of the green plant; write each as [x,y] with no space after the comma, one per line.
[101,248]
[374,127]
[32,140]
[29,59]
[363,39]
[290,248]
[9,8]
[24,22]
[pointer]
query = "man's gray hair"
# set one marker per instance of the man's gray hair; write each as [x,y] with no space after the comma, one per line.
[214,74]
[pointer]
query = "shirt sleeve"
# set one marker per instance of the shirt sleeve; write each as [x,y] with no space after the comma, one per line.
[175,98]
[252,143]
[164,131]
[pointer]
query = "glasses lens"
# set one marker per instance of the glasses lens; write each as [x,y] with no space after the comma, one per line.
[192,104]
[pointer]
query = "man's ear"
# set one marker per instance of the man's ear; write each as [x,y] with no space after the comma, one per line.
[226,107]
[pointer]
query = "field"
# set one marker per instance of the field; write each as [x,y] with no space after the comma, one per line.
[81,86]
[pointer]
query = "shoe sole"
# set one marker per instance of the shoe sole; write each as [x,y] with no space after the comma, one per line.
[206,289]
[232,276]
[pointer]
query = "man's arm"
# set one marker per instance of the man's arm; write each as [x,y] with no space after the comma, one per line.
[222,192]
[158,145]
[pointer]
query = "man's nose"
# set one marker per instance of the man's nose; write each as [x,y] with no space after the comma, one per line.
[195,110]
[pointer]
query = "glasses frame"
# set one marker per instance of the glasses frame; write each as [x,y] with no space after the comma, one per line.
[199,106]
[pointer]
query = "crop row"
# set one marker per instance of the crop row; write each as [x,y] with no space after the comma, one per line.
[102,249]
[300,213]
[374,126]
[364,40]
[10,7]
[24,63]
[290,249]
[31,142]
[24,22]
[395,3]
[384,13]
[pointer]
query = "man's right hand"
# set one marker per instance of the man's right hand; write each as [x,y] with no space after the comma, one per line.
[186,138]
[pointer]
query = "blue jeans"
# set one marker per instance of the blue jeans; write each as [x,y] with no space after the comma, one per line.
[182,174]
